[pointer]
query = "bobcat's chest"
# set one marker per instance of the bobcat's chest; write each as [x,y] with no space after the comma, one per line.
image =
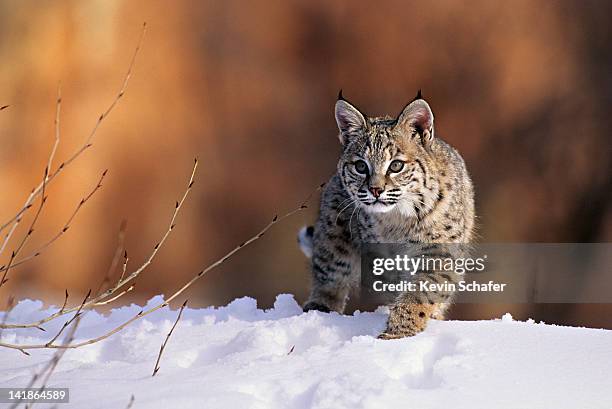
[391,227]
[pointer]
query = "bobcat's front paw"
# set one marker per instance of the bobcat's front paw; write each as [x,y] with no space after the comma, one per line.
[398,334]
[389,335]
[407,320]
[313,305]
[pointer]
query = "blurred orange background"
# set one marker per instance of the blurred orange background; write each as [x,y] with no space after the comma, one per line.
[521,88]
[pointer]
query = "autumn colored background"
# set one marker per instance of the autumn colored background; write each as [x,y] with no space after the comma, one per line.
[522,88]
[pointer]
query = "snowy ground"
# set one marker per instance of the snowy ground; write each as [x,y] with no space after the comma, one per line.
[241,357]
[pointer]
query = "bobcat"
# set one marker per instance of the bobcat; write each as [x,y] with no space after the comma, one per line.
[395,183]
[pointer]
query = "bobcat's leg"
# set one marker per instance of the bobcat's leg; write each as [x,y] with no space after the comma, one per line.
[328,296]
[411,311]
[332,271]
[334,249]
[331,281]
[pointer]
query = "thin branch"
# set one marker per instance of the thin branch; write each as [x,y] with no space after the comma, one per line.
[8,235]
[161,350]
[100,297]
[25,238]
[47,371]
[65,301]
[58,109]
[121,294]
[64,229]
[71,320]
[199,275]
[115,261]
[9,307]
[125,262]
[131,402]
[13,221]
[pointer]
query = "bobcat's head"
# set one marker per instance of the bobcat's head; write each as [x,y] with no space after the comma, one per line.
[385,162]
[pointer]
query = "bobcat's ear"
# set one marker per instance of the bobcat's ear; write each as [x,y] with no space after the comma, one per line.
[417,119]
[350,121]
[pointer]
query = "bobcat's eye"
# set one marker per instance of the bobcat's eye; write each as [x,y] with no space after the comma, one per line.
[396,166]
[361,167]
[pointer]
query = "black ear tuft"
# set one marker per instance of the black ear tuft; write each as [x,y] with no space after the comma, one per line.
[418,96]
[340,97]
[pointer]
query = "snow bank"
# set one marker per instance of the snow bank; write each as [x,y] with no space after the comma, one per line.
[241,357]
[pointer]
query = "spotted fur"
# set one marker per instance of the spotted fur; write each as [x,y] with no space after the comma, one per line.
[428,200]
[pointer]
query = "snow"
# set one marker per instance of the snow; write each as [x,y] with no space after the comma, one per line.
[239,356]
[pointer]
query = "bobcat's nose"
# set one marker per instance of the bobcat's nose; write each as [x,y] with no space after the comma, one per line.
[377,191]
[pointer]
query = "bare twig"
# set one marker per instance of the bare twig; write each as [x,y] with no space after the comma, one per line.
[25,238]
[121,294]
[48,369]
[101,297]
[71,320]
[131,402]
[9,307]
[125,262]
[58,109]
[65,301]
[14,221]
[59,234]
[115,261]
[146,312]
[161,350]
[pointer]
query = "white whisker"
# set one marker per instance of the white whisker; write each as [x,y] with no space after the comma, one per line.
[343,209]
[350,225]
[344,201]
[351,219]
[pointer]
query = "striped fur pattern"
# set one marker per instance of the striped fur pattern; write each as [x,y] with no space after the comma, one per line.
[395,183]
